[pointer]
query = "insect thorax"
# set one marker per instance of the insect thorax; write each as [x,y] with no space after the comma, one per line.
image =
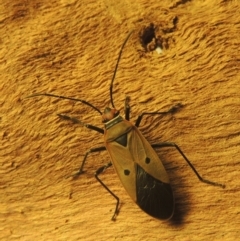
[116,127]
[113,122]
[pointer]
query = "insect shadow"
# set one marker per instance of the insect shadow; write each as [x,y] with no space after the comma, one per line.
[134,159]
[178,184]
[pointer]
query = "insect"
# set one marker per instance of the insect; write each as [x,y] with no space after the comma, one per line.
[133,157]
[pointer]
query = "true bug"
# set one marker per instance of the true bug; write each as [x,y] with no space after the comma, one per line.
[133,157]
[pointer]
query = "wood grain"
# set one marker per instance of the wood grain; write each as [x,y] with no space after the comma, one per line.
[70,48]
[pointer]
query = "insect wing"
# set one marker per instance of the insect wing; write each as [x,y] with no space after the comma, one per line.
[140,170]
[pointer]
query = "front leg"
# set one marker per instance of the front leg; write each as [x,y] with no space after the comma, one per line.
[76,121]
[171,111]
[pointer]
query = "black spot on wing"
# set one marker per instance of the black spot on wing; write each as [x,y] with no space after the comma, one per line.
[126,172]
[147,160]
[153,196]
[122,140]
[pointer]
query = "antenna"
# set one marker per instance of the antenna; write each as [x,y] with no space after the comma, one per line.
[115,71]
[83,101]
[66,98]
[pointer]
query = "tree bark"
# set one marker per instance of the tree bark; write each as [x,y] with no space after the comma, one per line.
[70,48]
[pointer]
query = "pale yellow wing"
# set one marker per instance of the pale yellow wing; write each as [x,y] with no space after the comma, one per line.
[136,151]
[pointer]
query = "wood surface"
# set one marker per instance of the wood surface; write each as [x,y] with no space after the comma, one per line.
[70,48]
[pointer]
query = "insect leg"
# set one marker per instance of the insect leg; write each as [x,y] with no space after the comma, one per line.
[96,149]
[172,110]
[76,121]
[127,108]
[171,144]
[95,128]
[99,171]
